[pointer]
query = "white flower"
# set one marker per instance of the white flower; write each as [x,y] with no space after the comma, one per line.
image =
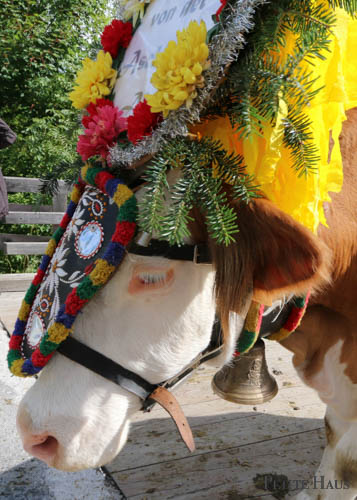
[133,9]
[56,271]
[75,223]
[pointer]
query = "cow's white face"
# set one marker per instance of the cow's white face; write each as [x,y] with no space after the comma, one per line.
[153,317]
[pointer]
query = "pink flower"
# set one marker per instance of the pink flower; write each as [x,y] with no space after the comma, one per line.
[103,128]
[92,110]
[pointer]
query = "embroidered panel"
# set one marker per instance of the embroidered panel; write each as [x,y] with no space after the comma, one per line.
[89,232]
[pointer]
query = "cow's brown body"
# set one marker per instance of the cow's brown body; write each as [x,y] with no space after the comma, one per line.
[331,320]
[274,256]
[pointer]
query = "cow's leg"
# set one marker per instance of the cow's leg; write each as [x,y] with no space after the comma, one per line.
[325,358]
[336,477]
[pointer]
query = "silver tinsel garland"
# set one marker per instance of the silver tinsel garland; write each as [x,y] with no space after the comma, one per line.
[224,49]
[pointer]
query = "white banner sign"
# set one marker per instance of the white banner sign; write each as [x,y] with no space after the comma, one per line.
[162,20]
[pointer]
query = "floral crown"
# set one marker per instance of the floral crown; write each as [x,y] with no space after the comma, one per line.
[236,98]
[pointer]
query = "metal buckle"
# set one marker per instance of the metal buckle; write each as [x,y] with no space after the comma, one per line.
[196,256]
[143,239]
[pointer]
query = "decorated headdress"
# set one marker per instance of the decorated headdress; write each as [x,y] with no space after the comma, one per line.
[248,93]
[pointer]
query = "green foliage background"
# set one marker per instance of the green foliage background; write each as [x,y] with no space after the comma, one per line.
[42,44]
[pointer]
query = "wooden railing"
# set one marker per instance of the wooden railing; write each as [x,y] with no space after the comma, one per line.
[25,244]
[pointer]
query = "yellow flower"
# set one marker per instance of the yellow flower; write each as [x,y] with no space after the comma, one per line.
[95,80]
[133,9]
[179,70]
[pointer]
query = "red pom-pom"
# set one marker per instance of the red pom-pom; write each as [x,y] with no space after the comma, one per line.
[101,179]
[65,221]
[74,304]
[124,232]
[39,359]
[15,342]
[142,122]
[115,35]
[38,278]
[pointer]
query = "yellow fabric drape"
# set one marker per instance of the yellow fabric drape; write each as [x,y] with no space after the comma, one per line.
[267,158]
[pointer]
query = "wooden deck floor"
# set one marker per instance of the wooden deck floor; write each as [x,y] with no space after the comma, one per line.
[234,444]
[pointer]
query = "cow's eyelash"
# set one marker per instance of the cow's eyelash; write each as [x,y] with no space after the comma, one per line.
[152,278]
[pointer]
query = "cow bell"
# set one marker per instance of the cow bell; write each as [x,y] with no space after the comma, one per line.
[246,380]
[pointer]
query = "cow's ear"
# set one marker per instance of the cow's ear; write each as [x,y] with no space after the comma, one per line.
[287,257]
[273,256]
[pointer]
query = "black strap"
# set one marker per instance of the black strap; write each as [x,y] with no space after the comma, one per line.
[109,369]
[106,367]
[274,321]
[199,254]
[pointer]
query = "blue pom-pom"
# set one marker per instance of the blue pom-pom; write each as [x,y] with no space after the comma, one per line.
[19,327]
[111,186]
[114,253]
[28,368]
[66,319]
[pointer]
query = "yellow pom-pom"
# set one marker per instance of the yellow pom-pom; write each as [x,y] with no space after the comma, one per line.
[84,171]
[122,194]
[101,273]
[16,368]
[75,195]
[57,333]
[51,247]
[281,335]
[24,311]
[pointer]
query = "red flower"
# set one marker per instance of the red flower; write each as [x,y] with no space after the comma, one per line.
[142,122]
[115,35]
[218,13]
[103,128]
[92,110]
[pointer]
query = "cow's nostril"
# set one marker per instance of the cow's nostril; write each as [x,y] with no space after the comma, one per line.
[43,447]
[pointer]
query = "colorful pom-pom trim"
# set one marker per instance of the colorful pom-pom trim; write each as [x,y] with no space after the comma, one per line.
[253,322]
[98,276]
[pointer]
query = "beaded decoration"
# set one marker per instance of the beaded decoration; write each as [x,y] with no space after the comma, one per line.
[102,270]
[253,322]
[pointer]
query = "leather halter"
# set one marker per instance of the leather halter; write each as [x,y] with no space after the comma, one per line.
[134,383]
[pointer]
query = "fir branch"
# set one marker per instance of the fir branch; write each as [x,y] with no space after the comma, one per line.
[152,207]
[247,190]
[175,223]
[221,219]
[299,139]
[203,167]
[350,6]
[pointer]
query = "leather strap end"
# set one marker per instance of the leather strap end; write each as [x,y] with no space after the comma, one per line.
[171,405]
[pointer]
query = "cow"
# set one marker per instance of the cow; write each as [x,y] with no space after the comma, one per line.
[155,315]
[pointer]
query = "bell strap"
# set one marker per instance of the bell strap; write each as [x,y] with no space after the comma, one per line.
[168,401]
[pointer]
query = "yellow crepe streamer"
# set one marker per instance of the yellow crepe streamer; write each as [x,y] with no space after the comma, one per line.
[267,158]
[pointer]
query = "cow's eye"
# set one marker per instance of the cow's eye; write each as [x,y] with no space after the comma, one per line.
[147,278]
[152,279]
